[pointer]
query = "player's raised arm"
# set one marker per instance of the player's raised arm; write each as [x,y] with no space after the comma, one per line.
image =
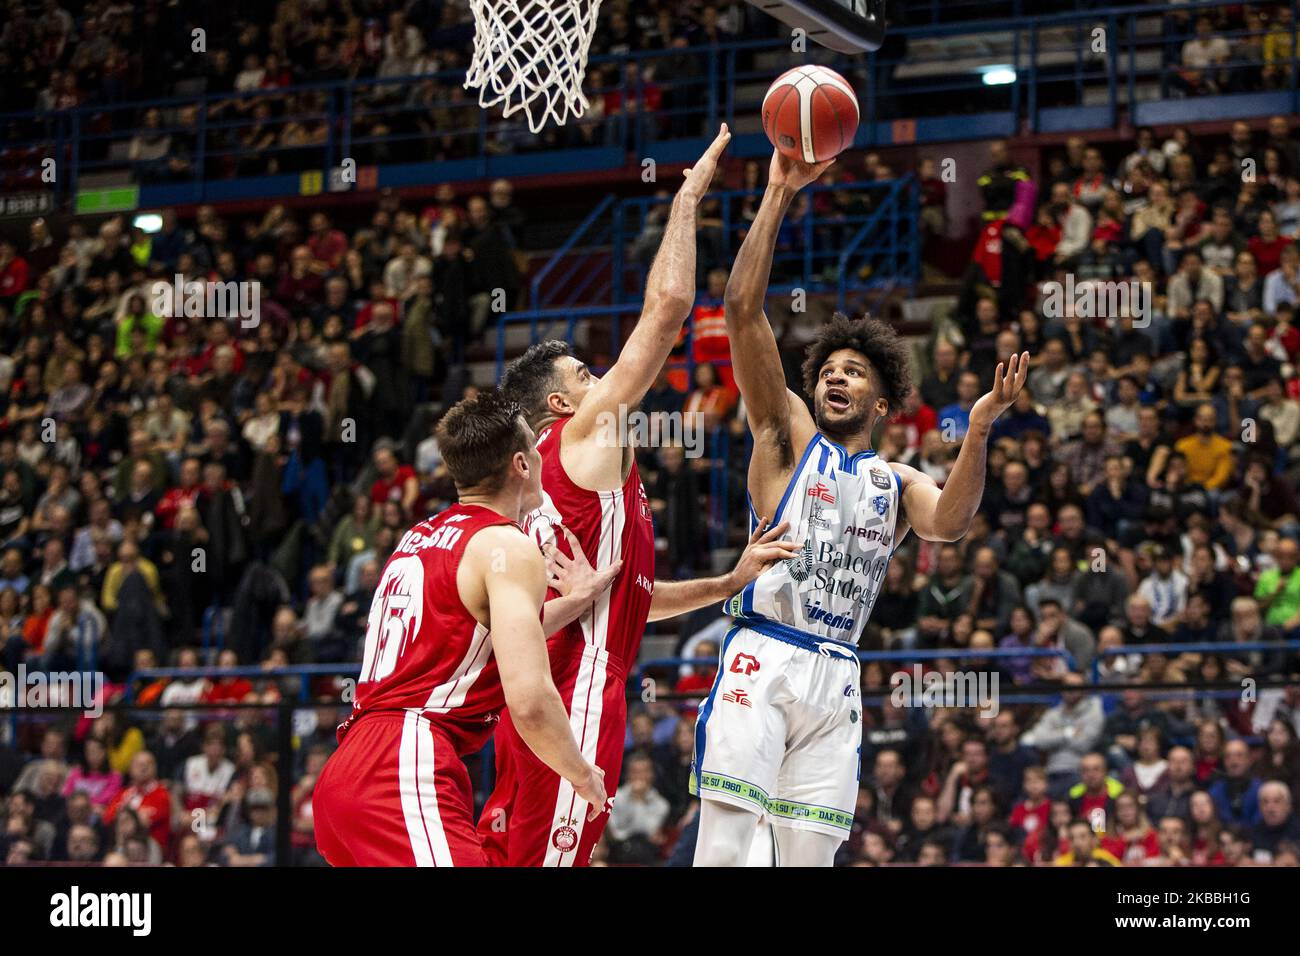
[946,515]
[669,298]
[755,358]
[514,579]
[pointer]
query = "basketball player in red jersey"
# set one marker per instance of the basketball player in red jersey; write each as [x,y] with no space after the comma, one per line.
[591,486]
[455,631]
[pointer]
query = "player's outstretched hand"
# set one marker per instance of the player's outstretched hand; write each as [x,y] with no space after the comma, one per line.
[592,789]
[700,176]
[1008,380]
[785,171]
[764,549]
[575,575]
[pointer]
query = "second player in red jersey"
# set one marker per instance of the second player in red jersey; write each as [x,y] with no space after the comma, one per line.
[592,489]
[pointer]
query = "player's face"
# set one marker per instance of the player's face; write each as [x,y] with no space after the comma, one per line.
[531,498]
[846,400]
[576,381]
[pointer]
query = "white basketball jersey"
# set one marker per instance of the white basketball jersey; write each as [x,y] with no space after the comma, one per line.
[844,508]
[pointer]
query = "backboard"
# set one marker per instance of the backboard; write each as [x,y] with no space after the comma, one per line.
[846,26]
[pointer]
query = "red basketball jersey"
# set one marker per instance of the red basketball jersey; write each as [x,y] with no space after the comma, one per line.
[424,650]
[609,525]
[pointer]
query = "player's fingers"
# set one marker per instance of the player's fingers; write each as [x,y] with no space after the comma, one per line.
[776,551]
[574,547]
[775,532]
[1024,370]
[757,534]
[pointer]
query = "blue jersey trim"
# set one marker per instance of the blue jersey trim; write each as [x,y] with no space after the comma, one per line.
[794,478]
[791,635]
[850,461]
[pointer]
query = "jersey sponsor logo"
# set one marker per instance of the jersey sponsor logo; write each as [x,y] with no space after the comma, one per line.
[850,691]
[799,568]
[881,481]
[822,492]
[870,534]
[817,517]
[738,696]
[859,577]
[836,622]
[643,582]
[645,504]
[564,838]
[744,664]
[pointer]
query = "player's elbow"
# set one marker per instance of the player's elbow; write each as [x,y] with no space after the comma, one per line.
[672,302]
[945,532]
[737,304]
[529,703]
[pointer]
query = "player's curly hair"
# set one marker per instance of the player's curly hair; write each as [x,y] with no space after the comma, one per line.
[878,343]
[532,376]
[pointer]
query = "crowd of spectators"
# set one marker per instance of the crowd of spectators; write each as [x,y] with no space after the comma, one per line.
[107,56]
[1141,492]
[102,55]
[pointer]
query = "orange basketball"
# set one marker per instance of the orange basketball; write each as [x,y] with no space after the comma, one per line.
[810,113]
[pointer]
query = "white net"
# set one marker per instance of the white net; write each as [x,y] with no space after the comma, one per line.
[531,55]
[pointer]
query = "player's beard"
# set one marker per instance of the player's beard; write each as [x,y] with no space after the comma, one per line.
[853,422]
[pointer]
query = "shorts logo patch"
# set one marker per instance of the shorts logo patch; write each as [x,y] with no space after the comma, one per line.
[853,716]
[738,696]
[564,839]
[744,664]
[882,504]
[880,481]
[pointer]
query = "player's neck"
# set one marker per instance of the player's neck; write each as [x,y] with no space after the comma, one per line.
[544,423]
[505,502]
[854,443]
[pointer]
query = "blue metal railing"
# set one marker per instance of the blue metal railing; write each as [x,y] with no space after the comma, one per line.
[428,129]
[592,276]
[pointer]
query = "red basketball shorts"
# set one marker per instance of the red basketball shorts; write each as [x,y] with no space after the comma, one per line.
[396,793]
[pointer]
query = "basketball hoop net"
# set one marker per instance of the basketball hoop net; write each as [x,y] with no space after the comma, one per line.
[531,55]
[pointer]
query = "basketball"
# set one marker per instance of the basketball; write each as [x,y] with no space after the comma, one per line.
[810,114]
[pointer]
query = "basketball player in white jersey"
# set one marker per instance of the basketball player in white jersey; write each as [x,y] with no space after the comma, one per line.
[779,736]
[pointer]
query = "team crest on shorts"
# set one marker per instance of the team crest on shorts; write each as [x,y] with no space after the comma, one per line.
[564,838]
[882,504]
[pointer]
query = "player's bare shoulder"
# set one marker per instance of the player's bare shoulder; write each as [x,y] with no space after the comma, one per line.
[500,556]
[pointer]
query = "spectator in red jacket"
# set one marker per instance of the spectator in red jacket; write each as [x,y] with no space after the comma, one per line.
[395,481]
[13,271]
[148,797]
